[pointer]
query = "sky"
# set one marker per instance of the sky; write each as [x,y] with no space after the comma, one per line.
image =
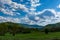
[32,12]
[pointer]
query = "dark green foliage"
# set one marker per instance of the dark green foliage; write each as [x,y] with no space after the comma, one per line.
[3,29]
[46,31]
[53,27]
[13,28]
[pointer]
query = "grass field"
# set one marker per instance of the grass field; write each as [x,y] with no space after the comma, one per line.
[32,36]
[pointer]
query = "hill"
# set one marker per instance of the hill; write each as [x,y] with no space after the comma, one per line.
[21,25]
[53,27]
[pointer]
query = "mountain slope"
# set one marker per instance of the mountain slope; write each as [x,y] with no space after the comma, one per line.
[21,25]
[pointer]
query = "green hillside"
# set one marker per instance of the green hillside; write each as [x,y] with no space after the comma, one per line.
[53,27]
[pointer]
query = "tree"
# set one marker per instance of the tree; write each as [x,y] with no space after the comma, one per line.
[46,31]
[3,29]
[14,29]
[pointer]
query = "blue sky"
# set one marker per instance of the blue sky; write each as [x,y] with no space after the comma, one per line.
[32,12]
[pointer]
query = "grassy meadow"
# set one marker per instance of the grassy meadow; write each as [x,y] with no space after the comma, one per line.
[32,36]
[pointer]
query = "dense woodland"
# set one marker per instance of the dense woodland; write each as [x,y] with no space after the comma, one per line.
[15,28]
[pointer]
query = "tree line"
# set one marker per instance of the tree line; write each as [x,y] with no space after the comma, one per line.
[15,28]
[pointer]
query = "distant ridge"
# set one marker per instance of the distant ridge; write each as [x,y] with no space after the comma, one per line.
[22,25]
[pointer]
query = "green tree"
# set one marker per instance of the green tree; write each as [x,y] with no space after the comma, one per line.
[3,29]
[14,29]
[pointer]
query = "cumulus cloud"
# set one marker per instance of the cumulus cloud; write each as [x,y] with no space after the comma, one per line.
[8,12]
[35,3]
[47,20]
[9,19]
[37,18]
[13,6]
[31,11]
[5,1]
[51,10]
[58,6]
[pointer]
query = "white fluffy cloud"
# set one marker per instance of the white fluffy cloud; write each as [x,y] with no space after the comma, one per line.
[58,6]
[9,19]
[37,18]
[5,1]
[8,12]
[51,10]
[12,5]
[34,3]
[47,20]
